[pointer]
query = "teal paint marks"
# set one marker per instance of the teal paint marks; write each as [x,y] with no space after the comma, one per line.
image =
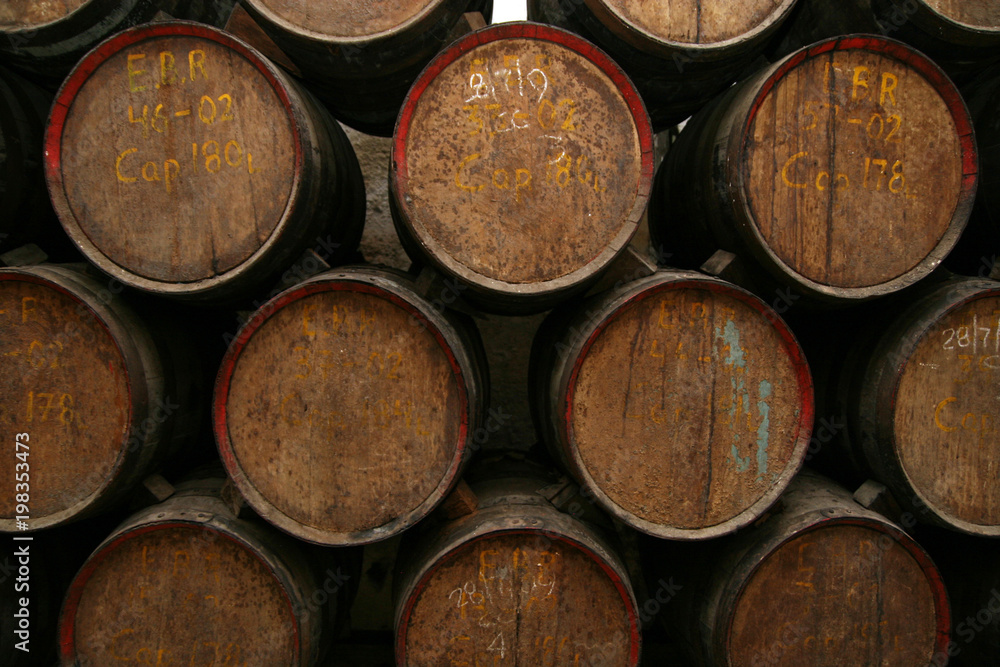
[739,406]
[764,430]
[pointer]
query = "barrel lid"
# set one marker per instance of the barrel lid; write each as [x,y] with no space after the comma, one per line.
[173,156]
[181,589]
[346,21]
[692,25]
[18,15]
[844,590]
[522,160]
[688,407]
[977,17]
[946,422]
[65,385]
[857,167]
[534,595]
[342,410]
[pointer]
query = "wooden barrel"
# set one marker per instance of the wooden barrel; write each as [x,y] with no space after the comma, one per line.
[183,163]
[344,408]
[822,581]
[521,165]
[844,172]
[961,37]
[680,54]
[920,396]
[681,402]
[46,39]
[517,582]
[187,582]
[81,370]
[361,58]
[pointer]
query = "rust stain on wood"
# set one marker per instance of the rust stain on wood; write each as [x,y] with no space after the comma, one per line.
[854,168]
[524,162]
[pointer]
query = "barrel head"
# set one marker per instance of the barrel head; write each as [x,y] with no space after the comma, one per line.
[690,23]
[26,14]
[979,15]
[64,383]
[522,160]
[342,413]
[173,156]
[857,166]
[688,409]
[526,598]
[346,20]
[839,594]
[183,593]
[946,423]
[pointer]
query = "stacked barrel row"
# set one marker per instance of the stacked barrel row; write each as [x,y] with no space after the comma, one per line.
[196,176]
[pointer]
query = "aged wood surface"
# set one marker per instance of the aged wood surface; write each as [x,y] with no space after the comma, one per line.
[27,13]
[347,19]
[946,421]
[836,595]
[980,14]
[693,21]
[521,162]
[184,594]
[65,383]
[688,408]
[345,413]
[518,600]
[178,158]
[854,168]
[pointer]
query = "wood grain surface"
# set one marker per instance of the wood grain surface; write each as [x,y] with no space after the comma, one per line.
[981,14]
[854,168]
[183,595]
[693,21]
[178,158]
[946,421]
[518,599]
[688,407]
[346,19]
[521,160]
[27,13]
[65,383]
[836,595]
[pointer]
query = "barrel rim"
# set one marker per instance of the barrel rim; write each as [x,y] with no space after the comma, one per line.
[380,285]
[83,507]
[987,36]
[945,88]
[70,607]
[400,177]
[631,296]
[61,107]
[440,559]
[36,27]
[648,42]
[816,520]
[417,22]
[940,514]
